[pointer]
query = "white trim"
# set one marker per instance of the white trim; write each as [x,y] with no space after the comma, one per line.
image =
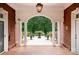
[72,32]
[39,14]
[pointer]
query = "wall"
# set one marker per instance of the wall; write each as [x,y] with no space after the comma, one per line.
[11,24]
[67,23]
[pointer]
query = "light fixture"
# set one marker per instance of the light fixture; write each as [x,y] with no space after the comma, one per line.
[39,7]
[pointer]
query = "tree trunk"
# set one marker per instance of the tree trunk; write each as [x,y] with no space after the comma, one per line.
[39,35]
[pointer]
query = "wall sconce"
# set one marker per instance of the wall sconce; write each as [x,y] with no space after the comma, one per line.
[19,19]
[39,7]
[66,27]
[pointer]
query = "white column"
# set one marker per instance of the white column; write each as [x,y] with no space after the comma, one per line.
[73,32]
[53,32]
[59,34]
[19,33]
[25,32]
[6,32]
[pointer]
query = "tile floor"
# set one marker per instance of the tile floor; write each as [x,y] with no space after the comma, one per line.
[39,50]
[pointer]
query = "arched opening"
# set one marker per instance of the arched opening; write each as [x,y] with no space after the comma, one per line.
[39,30]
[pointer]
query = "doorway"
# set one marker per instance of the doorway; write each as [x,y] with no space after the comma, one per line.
[75,31]
[3,31]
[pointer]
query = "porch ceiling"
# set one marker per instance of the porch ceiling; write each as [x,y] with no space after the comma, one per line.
[17,6]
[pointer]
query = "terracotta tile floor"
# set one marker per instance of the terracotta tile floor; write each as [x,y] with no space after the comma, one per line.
[39,50]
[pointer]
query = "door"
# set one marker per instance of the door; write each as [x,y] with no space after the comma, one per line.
[77,35]
[1,36]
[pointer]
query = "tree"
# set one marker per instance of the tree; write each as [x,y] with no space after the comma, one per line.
[39,23]
[45,30]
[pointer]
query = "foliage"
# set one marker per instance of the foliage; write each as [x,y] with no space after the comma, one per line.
[28,33]
[37,32]
[49,34]
[39,23]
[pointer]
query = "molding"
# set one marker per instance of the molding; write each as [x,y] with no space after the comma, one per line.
[2,52]
[39,14]
[66,46]
[11,46]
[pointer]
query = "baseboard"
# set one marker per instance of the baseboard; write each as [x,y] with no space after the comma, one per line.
[11,46]
[77,53]
[2,53]
[66,46]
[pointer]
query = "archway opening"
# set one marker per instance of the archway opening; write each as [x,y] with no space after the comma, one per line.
[38,31]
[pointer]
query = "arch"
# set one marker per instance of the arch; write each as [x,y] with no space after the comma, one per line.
[52,21]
